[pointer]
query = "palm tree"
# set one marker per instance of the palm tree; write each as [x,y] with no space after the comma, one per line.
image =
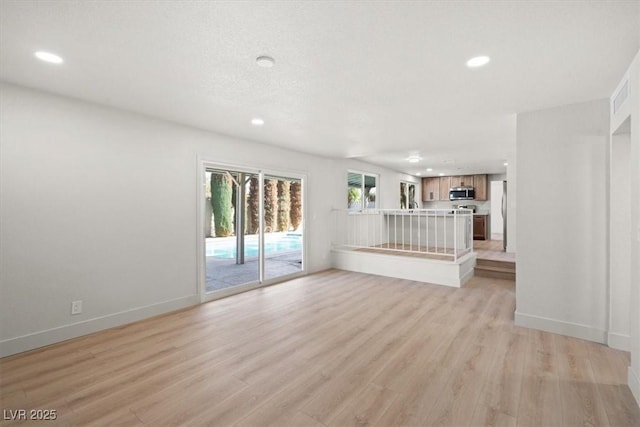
[295,212]
[221,191]
[253,205]
[284,204]
[270,205]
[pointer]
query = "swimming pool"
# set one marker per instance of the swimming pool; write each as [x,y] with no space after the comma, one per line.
[225,247]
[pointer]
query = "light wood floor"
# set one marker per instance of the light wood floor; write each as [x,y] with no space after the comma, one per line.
[335,348]
[415,251]
[492,250]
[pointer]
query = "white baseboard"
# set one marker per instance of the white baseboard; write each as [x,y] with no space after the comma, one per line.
[74,330]
[634,384]
[619,341]
[555,326]
[466,276]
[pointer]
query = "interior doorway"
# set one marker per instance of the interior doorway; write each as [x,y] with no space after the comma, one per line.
[253,229]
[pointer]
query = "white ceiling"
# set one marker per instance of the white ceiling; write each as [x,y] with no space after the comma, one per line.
[371,80]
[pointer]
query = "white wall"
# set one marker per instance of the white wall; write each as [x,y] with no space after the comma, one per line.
[562,161]
[620,242]
[631,108]
[512,197]
[99,204]
[497,176]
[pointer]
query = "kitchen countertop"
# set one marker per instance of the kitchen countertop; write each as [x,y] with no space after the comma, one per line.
[408,212]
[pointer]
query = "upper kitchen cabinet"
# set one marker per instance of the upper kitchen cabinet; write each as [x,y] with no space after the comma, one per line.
[445,185]
[462,181]
[437,188]
[480,185]
[431,189]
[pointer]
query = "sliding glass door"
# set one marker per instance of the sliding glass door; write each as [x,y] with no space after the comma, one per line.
[253,229]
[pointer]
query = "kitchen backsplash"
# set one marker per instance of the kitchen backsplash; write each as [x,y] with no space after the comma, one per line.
[481,207]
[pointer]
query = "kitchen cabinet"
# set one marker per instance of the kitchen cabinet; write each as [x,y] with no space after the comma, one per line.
[445,185]
[437,188]
[480,185]
[462,181]
[480,227]
[431,189]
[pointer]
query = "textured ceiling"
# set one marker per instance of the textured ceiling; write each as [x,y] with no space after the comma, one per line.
[371,80]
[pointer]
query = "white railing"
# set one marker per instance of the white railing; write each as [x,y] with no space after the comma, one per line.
[444,233]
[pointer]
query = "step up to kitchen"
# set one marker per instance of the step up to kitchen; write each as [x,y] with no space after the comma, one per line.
[495,269]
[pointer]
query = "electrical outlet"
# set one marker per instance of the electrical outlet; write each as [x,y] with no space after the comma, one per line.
[76,307]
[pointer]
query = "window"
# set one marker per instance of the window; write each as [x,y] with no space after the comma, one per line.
[408,195]
[361,190]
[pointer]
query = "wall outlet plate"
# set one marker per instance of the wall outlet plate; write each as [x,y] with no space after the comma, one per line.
[76,307]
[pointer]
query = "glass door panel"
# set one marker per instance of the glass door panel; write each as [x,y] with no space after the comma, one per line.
[283,226]
[231,229]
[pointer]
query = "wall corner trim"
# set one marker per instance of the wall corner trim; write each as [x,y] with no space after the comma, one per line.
[619,341]
[634,384]
[561,327]
[62,333]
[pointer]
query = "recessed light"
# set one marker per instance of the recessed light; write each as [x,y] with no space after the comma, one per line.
[257,121]
[418,173]
[48,57]
[506,164]
[414,159]
[441,174]
[478,61]
[429,170]
[265,61]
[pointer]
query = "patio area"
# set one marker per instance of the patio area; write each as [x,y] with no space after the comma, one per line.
[283,257]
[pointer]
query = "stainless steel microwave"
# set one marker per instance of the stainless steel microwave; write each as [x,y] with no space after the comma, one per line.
[462,193]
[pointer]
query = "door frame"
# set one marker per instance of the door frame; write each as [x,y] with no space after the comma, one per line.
[204,163]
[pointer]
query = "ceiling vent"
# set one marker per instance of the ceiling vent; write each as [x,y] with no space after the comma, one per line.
[622,96]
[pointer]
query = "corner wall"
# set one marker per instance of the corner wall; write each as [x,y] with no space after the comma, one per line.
[619,242]
[631,109]
[562,161]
